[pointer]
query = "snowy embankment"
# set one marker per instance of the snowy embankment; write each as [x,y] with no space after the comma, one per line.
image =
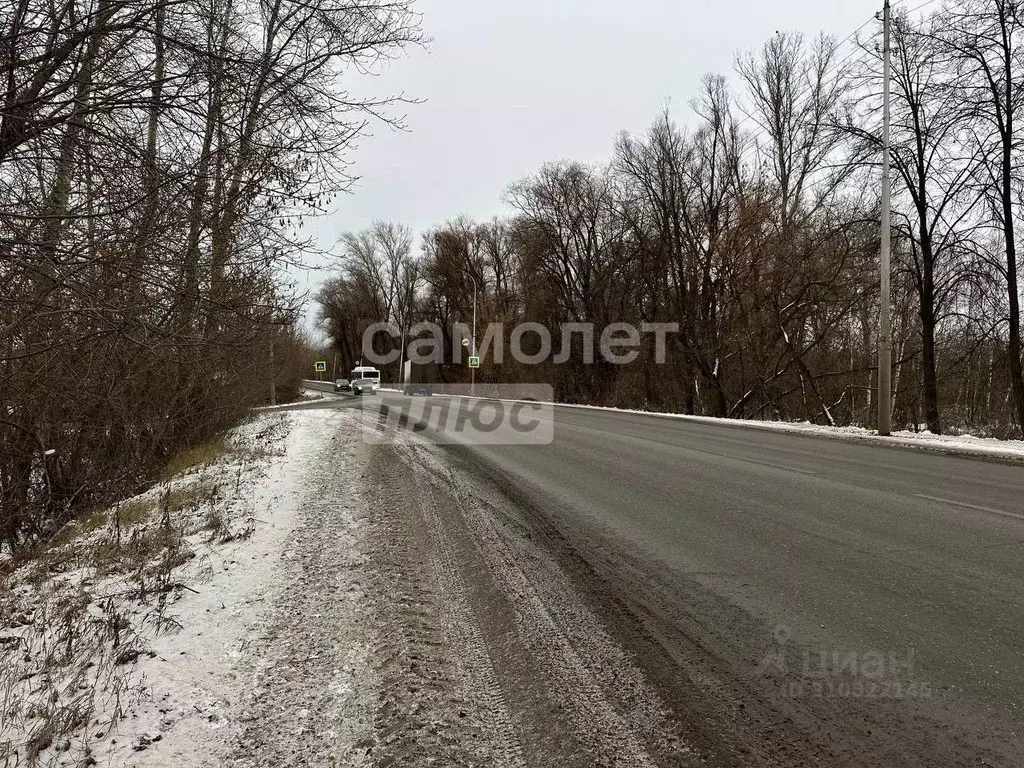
[124,642]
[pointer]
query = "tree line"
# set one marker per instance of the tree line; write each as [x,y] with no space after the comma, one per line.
[755,228]
[156,158]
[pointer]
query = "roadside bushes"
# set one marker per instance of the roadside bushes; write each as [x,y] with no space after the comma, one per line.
[155,161]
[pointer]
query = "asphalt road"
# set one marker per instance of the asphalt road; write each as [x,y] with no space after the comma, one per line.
[795,600]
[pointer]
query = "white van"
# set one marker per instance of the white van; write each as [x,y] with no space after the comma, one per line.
[365,372]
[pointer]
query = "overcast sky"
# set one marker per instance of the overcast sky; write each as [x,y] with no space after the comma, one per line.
[510,85]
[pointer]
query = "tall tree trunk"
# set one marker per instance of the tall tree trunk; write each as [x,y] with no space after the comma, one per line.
[1013,347]
[189,279]
[151,170]
[927,311]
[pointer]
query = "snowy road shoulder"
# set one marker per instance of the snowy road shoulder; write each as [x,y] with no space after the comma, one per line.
[202,675]
[125,641]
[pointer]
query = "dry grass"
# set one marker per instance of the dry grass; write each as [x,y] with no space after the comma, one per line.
[66,658]
[126,514]
[77,612]
[120,539]
[198,456]
[74,643]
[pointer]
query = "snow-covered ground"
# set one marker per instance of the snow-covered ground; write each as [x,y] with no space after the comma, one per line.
[126,642]
[307,395]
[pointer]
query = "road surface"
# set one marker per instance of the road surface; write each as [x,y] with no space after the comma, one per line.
[646,591]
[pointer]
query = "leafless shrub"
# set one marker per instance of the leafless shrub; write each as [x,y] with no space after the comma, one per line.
[155,160]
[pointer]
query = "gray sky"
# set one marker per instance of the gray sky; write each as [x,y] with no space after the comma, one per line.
[510,85]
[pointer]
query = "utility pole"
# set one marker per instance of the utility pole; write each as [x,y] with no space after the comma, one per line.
[885,320]
[472,371]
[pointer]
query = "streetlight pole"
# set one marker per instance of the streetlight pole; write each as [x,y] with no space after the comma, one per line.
[401,362]
[885,320]
[472,371]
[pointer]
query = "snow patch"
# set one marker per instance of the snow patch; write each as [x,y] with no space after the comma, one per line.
[120,645]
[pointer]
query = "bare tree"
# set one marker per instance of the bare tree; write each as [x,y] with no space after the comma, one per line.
[378,283]
[935,165]
[986,40]
[794,93]
[156,159]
